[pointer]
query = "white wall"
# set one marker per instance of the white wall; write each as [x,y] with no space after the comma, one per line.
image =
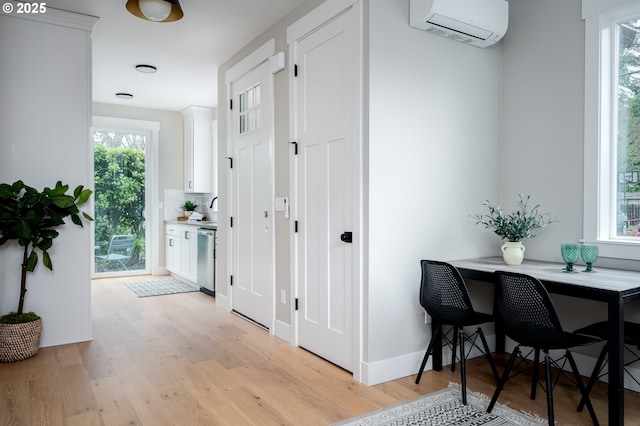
[543,117]
[434,129]
[45,81]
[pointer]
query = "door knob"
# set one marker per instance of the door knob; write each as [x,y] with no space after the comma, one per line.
[347,237]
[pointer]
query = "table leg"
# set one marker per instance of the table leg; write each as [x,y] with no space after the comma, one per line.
[616,363]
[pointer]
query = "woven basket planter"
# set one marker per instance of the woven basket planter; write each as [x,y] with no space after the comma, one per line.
[19,341]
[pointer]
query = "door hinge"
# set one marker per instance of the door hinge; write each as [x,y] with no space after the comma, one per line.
[295,147]
[295,70]
[231,222]
[230,103]
[295,226]
[231,280]
[230,162]
[296,304]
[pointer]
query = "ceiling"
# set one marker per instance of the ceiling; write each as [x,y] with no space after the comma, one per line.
[187,53]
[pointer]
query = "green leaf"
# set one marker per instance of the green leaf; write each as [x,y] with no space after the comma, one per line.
[17,186]
[49,233]
[76,219]
[45,244]
[86,216]
[46,260]
[32,261]
[22,229]
[6,192]
[63,201]
[84,196]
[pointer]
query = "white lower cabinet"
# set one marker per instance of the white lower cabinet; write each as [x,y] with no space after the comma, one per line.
[172,249]
[181,251]
[189,253]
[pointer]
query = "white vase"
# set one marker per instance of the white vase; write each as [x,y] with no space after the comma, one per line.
[513,252]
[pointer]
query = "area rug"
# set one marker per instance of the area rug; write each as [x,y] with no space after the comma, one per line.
[444,407]
[158,287]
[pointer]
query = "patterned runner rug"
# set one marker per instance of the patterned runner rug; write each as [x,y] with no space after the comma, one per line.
[158,287]
[444,407]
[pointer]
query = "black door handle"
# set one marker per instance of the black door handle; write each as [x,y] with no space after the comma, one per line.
[347,237]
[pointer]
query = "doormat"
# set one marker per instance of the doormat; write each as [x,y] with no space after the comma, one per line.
[444,407]
[158,287]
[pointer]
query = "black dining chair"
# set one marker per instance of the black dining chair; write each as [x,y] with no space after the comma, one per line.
[527,315]
[444,295]
[631,344]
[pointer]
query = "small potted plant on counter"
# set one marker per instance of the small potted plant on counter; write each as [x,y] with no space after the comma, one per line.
[188,207]
[522,223]
[29,217]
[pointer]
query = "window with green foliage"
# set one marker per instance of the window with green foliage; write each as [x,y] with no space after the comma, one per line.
[119,169]
[612,128]
[628,127]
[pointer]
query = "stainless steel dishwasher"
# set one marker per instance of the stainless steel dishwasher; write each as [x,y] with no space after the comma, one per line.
[207,260]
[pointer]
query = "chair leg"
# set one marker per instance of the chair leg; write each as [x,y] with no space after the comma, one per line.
[453,349]
[463,368]
[535,371]
[436,335]
[547,370]
[503,379]
[594,376]
[583,391]
[488,355]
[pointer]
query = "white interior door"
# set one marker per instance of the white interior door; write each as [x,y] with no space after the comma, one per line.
[252,195]
[325,88]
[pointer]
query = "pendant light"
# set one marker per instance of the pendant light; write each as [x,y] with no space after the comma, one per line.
[156,10]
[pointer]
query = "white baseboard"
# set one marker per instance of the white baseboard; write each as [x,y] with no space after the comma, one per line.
[406,365]
[223,301]
[283,331]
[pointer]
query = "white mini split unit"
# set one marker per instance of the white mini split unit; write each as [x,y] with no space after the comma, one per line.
[480,23]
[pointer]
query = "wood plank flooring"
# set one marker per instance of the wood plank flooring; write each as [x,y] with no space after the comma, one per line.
[179,360]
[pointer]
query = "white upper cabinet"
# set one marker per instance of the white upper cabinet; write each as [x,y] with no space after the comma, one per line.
[198,149]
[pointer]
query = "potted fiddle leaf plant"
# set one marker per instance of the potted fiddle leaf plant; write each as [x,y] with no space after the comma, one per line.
[522,223]
[29,217]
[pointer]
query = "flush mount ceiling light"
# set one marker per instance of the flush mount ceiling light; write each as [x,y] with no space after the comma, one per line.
[156,10]
[122,95]
[148,69]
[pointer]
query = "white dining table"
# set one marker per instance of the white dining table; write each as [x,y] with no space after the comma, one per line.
[615,287]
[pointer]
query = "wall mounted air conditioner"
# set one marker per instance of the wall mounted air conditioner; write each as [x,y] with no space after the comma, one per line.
[480,23]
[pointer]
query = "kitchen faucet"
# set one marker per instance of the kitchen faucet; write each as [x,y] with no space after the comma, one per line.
[211,205]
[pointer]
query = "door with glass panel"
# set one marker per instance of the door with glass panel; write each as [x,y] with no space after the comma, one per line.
[252,195]
[121,199]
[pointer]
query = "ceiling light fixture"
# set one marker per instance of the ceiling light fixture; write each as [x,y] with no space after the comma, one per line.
[122,95]
[156,10]
[148,69]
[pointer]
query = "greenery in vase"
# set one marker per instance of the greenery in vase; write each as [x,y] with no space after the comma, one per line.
[522,223]
[29,217]
[189,206]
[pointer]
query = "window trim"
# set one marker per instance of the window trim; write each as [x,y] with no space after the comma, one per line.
[599,201]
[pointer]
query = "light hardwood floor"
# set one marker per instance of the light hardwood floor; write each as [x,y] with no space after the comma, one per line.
[179,360]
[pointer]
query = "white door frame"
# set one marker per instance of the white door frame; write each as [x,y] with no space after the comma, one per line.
[154,223]
[256,58]
[297,31]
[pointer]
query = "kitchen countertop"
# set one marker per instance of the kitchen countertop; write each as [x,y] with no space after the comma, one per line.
[199,224]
